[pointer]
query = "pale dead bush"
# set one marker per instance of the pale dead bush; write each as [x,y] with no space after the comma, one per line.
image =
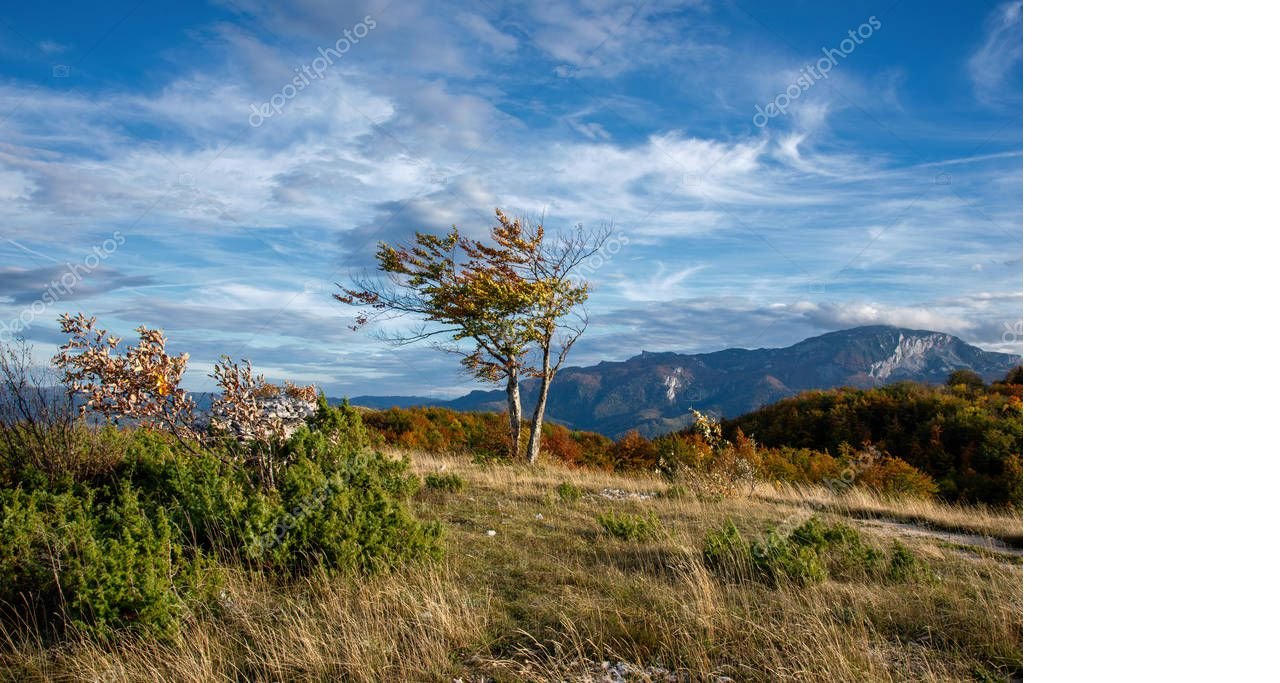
[141,387]
[716,467]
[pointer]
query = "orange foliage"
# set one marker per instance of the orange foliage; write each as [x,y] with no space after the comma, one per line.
[895,477]
[633,452]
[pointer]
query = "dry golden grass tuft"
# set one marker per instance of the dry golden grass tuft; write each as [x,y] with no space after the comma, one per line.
[550,596]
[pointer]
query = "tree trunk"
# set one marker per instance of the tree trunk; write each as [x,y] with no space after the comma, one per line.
[513,412]
[535,431]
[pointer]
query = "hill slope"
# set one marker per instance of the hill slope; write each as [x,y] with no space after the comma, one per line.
[652,392]
[534,588]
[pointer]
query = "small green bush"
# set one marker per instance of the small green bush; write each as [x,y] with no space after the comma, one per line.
[101,558]
[724,549]
[781,560]
[806,555]
[451,482]
[134,548]
[775,560]
[215,504]
[568,492]
[344,506]
[630,527]
[813,533]
[903,564]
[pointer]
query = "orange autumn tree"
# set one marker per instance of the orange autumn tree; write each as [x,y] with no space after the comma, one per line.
[509,306]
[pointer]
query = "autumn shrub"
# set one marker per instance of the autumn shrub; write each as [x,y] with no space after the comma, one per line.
[678,452]
[558,442]
[483,435]
[894,477]
[785,463]
[966,438]
[594,448]
[964,377]
[142,387]
[707,463]
[248,413]
[633,452]
[629,527]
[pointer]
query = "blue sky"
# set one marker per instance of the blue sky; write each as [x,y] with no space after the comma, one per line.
[141,182]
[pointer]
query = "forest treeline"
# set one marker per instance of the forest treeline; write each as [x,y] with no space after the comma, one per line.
[961,441]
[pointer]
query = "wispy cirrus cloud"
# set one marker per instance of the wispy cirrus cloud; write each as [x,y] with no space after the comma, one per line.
[995,63]
[637,115]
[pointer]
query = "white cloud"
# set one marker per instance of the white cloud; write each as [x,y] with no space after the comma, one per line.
[992,65]
[837,315]
[486,33]
[603,39]
[662,285]
[427,122]
[50,47]
[14,185]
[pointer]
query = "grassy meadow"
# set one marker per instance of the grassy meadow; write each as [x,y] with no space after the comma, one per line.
[532,587]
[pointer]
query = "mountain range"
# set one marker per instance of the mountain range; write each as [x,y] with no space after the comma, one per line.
[653,392]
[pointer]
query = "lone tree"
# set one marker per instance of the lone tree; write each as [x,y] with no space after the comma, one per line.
[512,307]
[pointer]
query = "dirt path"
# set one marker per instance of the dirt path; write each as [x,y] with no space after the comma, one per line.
[975,540]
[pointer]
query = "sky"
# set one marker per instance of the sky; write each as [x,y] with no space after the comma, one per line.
[770,171]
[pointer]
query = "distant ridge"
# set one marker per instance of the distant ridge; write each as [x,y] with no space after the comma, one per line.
[652,392]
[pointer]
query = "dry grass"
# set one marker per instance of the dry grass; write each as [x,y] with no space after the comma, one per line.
[548,598]
[1004,525]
